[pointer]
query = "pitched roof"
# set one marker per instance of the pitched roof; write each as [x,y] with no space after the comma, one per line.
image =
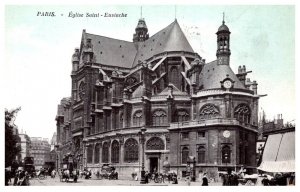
[113,52]
[170,38]
[176,91]
[212,74]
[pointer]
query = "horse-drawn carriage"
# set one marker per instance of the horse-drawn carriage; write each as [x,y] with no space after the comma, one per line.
[248,179]
[68,173]
[107,172]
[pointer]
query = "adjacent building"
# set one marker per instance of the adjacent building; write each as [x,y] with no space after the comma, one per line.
[25,143]
[190,108]
[40,149]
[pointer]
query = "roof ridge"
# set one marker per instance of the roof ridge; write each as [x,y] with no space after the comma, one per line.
[161,30]
[110,38]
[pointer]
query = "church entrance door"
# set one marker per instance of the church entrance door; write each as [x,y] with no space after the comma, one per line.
[153,164]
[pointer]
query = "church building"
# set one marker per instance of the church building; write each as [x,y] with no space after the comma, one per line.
[157,104]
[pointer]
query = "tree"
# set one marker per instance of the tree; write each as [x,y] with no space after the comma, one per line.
[12,148]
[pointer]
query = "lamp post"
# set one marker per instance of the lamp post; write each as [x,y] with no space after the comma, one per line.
[260,151]
[56,147]
[142,139]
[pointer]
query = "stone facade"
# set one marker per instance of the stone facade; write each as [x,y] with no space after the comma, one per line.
[40,150]
[187,106]
[25,145]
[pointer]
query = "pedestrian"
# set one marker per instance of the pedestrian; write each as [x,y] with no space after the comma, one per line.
[7,176]
[147,177]
[175,181]
[188,180]
[204,180]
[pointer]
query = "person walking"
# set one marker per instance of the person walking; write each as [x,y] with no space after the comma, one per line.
[204,180]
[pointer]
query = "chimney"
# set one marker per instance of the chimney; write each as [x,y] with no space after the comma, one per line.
[254,87]
[240,70]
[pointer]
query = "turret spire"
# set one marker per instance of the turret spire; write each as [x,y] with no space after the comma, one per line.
[223,41]
[141,30]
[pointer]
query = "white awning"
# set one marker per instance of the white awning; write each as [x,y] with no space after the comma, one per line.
[279,153]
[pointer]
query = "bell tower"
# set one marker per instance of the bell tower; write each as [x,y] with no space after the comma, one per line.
[223,41]
[141,31]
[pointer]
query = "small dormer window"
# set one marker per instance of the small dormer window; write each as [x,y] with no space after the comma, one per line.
[120,46]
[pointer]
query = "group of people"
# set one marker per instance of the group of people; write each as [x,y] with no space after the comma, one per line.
[160,178]
[21,177]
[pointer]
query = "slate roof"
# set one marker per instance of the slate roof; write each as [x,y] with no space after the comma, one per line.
[212,74]
[114,52]
[170,38]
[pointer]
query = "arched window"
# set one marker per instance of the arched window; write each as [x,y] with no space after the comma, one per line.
[155,143]
[159,117]
[175,78]
[226,154]
[89,154]
[154,90]
[209,111]
[121,121]
[184,155]
[137,119]
[131,151]
[115,152]
[201,154]
[242,113]
[182,115]
[97,153]
[81,90]
[105,151]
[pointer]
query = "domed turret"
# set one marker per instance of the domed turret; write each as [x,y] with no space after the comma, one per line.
[223,28]
[141,31]
[223,41]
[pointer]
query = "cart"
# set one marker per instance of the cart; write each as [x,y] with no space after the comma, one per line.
[248,179]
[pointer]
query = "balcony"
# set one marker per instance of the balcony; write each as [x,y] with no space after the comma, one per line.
[212,122]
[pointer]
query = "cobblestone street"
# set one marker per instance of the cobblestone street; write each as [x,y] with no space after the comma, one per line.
[104,182]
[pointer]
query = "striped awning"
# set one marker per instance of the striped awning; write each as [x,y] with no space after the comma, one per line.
[279,153]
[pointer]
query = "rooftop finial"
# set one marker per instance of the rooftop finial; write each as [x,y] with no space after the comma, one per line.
[223,18]
[141,11]
[175,11]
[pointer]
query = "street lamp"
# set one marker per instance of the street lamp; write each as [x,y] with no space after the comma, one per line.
[260,151]
[56,147]
[142,139]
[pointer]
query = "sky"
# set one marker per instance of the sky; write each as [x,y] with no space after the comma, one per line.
[38,51]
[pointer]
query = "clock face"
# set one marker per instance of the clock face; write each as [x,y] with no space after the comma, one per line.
[227,84]
[226,133]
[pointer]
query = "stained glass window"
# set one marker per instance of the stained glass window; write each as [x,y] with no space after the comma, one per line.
[209,111]
[155,143]
[159,117]
[242,113]
[97,153]
[137,118]
[131,150]
[115,152]
[105,151]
